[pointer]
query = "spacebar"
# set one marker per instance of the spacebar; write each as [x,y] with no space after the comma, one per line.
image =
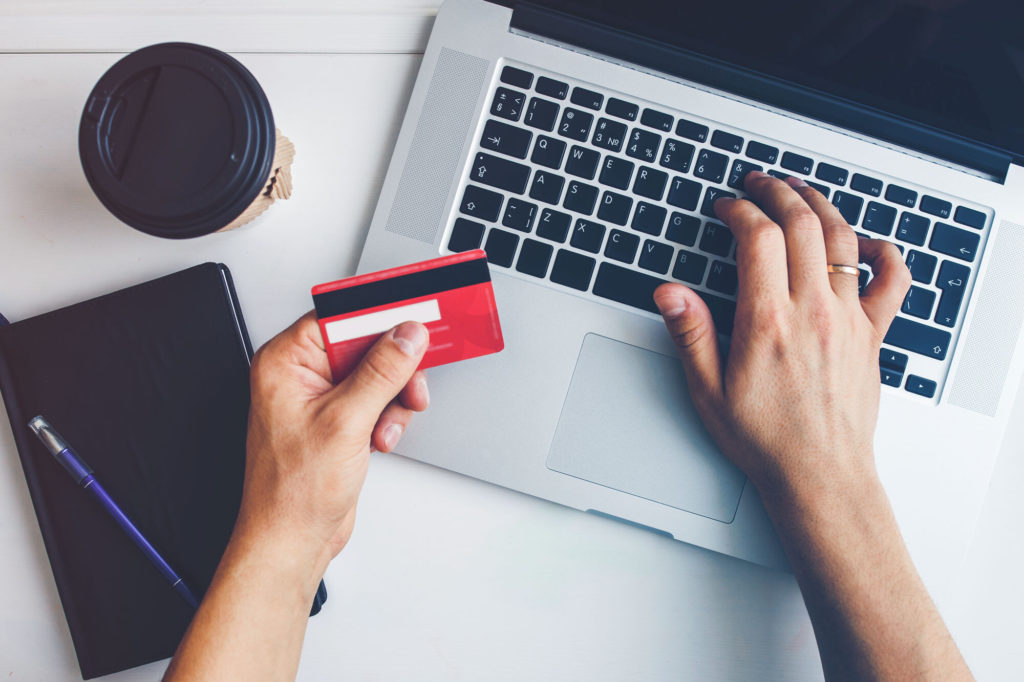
[627,286]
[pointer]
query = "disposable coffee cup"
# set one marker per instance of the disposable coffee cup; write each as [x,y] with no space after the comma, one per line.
[178,140]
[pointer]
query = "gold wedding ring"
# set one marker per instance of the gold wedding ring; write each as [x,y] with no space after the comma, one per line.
[844,269]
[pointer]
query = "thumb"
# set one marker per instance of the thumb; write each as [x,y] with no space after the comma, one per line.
[382,373]
[689,322]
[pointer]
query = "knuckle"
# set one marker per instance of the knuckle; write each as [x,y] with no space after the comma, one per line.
[688,336]
[843,238]
[801,218]
[379,369]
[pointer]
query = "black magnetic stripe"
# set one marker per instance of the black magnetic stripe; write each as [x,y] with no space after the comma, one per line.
[404,287]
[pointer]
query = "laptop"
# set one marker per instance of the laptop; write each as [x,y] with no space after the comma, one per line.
[582,145]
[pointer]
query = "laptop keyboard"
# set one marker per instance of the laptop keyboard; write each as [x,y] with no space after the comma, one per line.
[606,196]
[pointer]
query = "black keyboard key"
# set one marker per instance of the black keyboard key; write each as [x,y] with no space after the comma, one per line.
[936,207]
[616,172]
[918,302]
[739,171]
[866,185]
[849,206]
[587,235]
[921,386]
[879,218]
[625,286]
[466,235]
[901,195]
[649,218]
[517,77]
[727,141]
[505,139]
[921,266]
[552,88]
[691,130]
[913,228]
[862,279]
[643,145]
[655,256]
[580,197]
[547,151]
[797,163]
[918,338]
[710,197]
[541,113]
[508,104]
[587,98]
[677,155]
[650,183]
[501,247]
[615,208]
[621,109]
[481,203]
[824,190]
[554,225]
[969,217]
[519,214]
[572,269]
[684,193]
[534,257]
[683,229]
[716,239]
[779,174]
[711,165]
[955,242]
[546,187]
[723,278]
[500,173]
[952,281]
[893,360]
[575,124]
[762,152]
[723,312]
[621,246]
[609,134]
[830,173]
[657,119]
[690,267]
[582,162]
[890,377]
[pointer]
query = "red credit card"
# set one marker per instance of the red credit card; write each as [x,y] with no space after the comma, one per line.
[452,296]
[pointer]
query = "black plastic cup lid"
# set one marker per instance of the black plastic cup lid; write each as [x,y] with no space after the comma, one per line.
[177,139]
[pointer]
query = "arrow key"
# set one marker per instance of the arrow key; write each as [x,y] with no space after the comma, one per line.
[952,281]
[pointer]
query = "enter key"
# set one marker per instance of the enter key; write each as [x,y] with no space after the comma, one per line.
[952,281]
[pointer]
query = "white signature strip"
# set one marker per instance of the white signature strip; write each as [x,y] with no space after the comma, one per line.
[381,321]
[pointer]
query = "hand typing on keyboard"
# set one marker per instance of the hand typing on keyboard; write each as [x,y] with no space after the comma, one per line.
[794,404]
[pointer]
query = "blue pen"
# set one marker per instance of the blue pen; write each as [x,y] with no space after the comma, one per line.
[82,474]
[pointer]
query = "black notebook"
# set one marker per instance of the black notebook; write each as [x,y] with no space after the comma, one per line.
[150,386]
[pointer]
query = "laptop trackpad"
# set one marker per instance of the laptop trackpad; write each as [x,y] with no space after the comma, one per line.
[627,423]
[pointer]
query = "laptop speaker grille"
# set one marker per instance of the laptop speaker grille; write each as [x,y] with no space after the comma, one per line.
[449,112]
[992,336]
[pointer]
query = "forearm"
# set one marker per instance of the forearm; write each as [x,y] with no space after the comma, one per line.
[872,616]
[251,623]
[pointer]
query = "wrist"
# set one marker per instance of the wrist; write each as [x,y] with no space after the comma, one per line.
[294,559]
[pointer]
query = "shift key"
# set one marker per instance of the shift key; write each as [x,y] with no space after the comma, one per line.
[918,338]
[506,175]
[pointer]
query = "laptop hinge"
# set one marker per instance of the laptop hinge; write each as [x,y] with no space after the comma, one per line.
[627,47]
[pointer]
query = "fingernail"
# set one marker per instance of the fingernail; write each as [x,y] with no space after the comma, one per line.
[411,337]
[795,182]
[755,174]
[426,391]
[391,435]
[671,308]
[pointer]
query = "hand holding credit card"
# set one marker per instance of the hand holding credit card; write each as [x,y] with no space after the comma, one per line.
[452,296]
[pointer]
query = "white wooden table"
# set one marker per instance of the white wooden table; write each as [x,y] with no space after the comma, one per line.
[447,578]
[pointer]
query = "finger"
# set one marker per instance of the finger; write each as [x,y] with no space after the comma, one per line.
[840,239]
[300,348]
[390,427]
[415,395]
[689,322]
[382,373]
[889,283]
[805,244]
[760,251]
